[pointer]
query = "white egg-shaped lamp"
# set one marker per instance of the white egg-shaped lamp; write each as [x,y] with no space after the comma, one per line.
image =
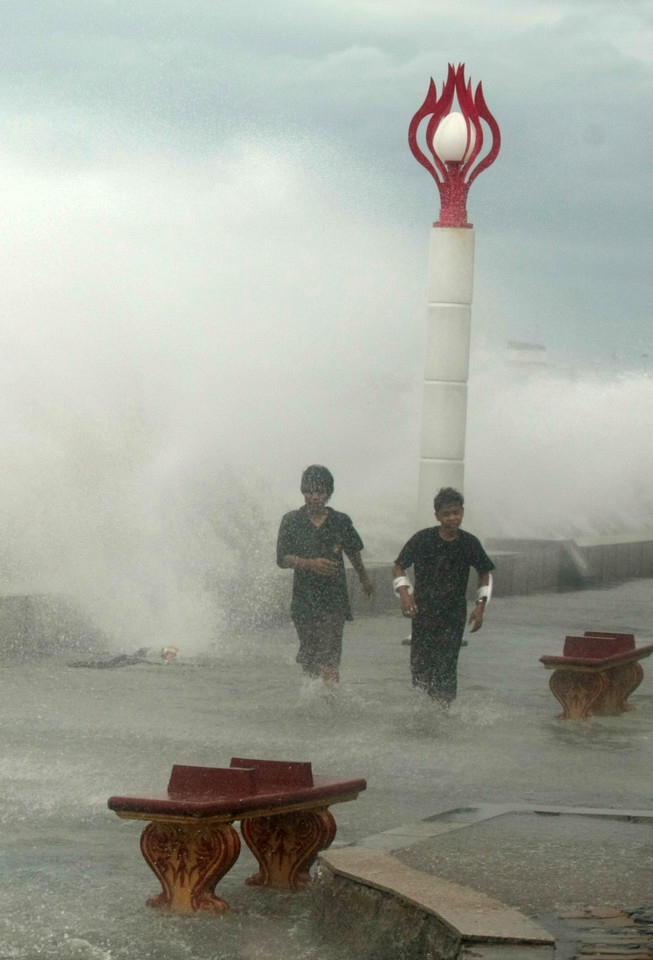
[450,142]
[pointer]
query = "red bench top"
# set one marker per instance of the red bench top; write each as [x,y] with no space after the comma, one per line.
[598,646]
[598,649]
[243,788]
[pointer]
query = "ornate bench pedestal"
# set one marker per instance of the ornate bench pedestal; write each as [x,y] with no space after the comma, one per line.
[189,858]
[286,846]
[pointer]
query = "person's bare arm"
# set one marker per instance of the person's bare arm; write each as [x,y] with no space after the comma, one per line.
[476,616]
[408,605]
[357,563]
[320,565]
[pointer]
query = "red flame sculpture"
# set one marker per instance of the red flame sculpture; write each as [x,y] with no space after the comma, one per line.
[454,178]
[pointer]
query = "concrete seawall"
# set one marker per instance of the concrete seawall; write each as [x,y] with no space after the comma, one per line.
[36,625]
[535,566]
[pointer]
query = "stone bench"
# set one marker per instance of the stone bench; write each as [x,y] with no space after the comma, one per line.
[190,843]
[596,674]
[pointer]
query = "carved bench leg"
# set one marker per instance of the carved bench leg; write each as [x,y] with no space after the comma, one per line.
[623,680]
[286,846]
[577,691]
[189,859]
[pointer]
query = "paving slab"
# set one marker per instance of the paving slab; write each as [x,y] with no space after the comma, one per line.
[544,862]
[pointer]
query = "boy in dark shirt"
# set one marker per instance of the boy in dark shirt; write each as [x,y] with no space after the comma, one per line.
[312,541]
[442,557]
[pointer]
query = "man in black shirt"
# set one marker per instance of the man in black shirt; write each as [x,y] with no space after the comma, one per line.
[312,541]
[442,557]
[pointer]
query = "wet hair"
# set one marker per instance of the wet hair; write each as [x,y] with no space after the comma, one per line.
[447,497]
[317,477]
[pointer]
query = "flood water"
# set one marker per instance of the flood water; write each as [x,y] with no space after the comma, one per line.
[73,883]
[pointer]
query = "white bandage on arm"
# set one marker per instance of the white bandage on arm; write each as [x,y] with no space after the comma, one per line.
[402,582]
[485,592]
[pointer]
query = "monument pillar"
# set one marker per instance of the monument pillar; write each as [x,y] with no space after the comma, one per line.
[446,366]
[454,156]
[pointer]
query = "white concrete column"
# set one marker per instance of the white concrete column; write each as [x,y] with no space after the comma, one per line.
[444,403]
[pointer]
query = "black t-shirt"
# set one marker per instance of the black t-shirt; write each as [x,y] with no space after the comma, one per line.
[299,537]
[442,569]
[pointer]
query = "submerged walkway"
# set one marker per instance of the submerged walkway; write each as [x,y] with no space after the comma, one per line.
[72,884]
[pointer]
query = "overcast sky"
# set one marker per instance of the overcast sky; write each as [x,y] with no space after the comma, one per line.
[94,92]
[215,237]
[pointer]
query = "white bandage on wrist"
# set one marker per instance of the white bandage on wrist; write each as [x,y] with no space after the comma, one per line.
[402,582]
[485,592]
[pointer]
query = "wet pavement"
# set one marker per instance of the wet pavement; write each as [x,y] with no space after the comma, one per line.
[583,876]
[541,861]
[600,933]
[73,883]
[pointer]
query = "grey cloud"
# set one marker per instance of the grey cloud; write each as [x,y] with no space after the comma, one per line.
[88,84]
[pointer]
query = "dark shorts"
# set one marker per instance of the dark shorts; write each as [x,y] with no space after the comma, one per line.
[320,642]
[434,651]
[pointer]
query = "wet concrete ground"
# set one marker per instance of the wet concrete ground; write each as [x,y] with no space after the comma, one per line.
[72,881]
[544,861]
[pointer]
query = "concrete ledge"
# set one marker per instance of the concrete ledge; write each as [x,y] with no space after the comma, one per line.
[432,916]
[364,895]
